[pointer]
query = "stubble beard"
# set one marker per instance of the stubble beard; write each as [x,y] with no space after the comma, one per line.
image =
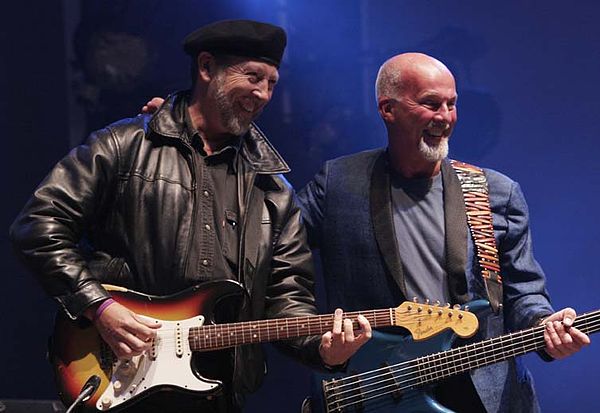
[233,123]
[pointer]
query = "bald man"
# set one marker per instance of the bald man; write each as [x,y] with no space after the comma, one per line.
[390,224]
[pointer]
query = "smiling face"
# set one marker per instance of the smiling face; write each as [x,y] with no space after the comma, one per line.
[419,107]
[427,112]
[240,91]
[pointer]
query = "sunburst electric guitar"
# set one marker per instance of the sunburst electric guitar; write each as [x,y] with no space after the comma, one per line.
[188,327]
[397,373]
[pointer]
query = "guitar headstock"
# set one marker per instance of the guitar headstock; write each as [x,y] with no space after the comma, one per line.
[425,320]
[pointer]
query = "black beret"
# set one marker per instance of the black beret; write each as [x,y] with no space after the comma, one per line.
[246,38]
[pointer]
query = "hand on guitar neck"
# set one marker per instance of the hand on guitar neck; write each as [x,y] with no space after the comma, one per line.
[562,339]
[126,333]
[339,344]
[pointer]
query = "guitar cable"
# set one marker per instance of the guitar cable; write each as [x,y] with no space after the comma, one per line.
[87,391]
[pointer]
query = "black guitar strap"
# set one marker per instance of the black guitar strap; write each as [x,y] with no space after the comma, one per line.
[479,219]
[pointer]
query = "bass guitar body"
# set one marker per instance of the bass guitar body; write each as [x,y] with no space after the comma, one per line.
[363,394]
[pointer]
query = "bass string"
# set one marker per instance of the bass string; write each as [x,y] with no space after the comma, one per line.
[586,323]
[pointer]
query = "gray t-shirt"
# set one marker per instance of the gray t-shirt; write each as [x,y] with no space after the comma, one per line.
[418,211]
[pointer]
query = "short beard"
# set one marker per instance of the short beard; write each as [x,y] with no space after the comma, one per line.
[233,123]
[434,153]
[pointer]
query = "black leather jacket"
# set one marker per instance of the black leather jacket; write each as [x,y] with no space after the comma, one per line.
[130,191]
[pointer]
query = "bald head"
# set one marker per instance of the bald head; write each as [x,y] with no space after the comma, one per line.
[416,99]
[403,70]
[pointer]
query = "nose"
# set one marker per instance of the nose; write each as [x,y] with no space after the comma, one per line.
[262,92]
[444,114]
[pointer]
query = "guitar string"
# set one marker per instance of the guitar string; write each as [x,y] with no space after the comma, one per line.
[308,322]
[293,323]
[451,366]
[219,336]
[301,328]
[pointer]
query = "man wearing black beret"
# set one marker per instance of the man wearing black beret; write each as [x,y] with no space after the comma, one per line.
[190,195]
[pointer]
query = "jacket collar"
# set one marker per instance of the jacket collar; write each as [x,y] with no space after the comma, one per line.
[258,152]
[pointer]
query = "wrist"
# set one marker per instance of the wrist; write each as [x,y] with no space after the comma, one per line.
[328,364]
[94,311]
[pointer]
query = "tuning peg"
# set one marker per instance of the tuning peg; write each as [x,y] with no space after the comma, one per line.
[456,306]
[447,305]
[437,302]
[466,308]
[427,301]
[415,300]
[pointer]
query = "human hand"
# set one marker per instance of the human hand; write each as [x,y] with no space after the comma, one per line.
[152,105]
[124,331]
[562,339]
[339,344]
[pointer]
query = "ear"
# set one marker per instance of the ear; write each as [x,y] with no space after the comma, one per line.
[206,66]
[386,109]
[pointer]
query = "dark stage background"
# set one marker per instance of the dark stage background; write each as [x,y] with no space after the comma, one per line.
[527,75]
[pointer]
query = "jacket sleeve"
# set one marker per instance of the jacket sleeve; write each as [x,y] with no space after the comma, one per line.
[312,202]
[290,292]
[526,299]
[47,232]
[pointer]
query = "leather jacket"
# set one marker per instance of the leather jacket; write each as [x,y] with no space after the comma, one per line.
[118,209]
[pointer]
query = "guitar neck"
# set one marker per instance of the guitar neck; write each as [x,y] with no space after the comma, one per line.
[220,336]
[434,367]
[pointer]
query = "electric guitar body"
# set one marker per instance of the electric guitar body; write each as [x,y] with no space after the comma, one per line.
[78,351]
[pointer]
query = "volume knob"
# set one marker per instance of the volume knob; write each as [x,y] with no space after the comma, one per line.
[106,402]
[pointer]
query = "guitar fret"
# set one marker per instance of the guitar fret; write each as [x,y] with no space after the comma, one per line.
[255,333]
[421,362]
[444,372]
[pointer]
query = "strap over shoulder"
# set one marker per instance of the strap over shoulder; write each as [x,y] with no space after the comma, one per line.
[479,219]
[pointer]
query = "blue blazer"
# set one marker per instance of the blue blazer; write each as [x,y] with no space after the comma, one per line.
[348,213]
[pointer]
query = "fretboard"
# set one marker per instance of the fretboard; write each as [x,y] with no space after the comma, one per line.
[438,366]
[219,336]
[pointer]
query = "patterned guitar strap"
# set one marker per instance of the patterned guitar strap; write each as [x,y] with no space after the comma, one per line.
[479,219]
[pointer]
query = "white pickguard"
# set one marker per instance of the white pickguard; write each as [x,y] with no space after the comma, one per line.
[167,363]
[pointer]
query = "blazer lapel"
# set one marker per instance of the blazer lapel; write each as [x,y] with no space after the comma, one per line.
[383,223]
[456,234]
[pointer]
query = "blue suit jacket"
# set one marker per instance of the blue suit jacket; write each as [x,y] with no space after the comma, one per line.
[347,210]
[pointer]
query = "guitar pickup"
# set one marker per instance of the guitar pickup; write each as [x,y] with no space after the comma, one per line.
[390,377]
[178,341]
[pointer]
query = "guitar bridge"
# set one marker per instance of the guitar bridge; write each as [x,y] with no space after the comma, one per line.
[330,393]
